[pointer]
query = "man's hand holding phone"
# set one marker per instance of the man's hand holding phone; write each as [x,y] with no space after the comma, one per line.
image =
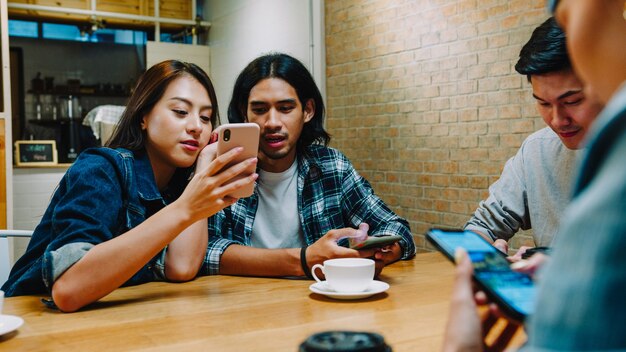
[386,247]
[375,242]
[383,252]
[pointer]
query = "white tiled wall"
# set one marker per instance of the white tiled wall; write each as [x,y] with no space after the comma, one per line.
[32,190]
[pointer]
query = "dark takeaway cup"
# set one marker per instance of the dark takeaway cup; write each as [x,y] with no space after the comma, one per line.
[344,341]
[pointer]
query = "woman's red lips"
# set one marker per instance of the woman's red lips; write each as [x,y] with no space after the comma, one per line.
[191,145]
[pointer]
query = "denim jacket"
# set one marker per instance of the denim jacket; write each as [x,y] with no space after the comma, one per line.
[105,193]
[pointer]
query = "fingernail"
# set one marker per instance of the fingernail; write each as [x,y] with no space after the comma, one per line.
[519,264]
[459,254]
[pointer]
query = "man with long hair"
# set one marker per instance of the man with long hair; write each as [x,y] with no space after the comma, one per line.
[308,196]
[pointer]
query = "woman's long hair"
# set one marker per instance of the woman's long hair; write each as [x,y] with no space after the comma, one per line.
[148,91]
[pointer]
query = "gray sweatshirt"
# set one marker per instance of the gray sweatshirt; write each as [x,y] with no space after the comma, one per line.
[534,188]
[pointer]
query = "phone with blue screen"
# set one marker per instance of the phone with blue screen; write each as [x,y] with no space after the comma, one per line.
[512,291]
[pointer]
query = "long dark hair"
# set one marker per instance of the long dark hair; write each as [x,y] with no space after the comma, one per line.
[292,71]
[148,91]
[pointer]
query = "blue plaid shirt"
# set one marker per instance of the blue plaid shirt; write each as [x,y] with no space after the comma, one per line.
[331,195]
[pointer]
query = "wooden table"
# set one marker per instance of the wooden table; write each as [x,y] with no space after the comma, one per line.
[228,313]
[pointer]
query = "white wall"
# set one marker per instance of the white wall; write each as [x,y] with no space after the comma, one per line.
[241,30]
[159,51]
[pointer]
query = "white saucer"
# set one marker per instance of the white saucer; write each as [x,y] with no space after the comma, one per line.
[9,323]
[374,288]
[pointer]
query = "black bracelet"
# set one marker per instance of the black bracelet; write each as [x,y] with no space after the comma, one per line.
[305,266]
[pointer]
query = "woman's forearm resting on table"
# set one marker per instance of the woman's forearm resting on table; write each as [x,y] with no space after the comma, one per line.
[109,264]
[185,254]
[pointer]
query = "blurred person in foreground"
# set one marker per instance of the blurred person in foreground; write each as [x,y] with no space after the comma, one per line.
[580,304]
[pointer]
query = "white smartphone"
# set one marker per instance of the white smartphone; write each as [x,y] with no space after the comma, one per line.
[244,135]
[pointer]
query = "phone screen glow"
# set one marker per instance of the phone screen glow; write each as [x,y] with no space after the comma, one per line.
[492,269]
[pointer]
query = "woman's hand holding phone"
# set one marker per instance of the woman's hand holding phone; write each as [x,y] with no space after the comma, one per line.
[246,136]
[228,155]
[206,156]
[211,188]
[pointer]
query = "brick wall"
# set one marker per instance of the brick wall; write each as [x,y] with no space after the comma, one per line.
[423,98]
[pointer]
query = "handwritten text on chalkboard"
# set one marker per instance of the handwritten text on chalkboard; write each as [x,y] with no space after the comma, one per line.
[35,153]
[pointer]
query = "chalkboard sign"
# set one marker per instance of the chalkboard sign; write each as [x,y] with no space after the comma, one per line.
[36,153]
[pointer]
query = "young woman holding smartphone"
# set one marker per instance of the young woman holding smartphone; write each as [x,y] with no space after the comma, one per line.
[131,213]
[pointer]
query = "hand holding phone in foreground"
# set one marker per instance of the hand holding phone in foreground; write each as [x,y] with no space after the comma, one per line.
[465,330]
[512,291]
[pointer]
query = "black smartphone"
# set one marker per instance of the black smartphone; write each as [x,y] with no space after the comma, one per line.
[512,291]
[376,242]
[531,251]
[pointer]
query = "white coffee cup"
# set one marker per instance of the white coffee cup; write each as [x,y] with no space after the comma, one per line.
[346,274]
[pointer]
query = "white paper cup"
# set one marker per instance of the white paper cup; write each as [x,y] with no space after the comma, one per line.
[347,274]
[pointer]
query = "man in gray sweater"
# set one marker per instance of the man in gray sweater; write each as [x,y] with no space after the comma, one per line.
[536,183]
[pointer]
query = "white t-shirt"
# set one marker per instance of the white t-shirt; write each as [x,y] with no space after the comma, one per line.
[277,224]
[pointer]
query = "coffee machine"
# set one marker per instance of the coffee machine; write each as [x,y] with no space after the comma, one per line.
[70,112]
